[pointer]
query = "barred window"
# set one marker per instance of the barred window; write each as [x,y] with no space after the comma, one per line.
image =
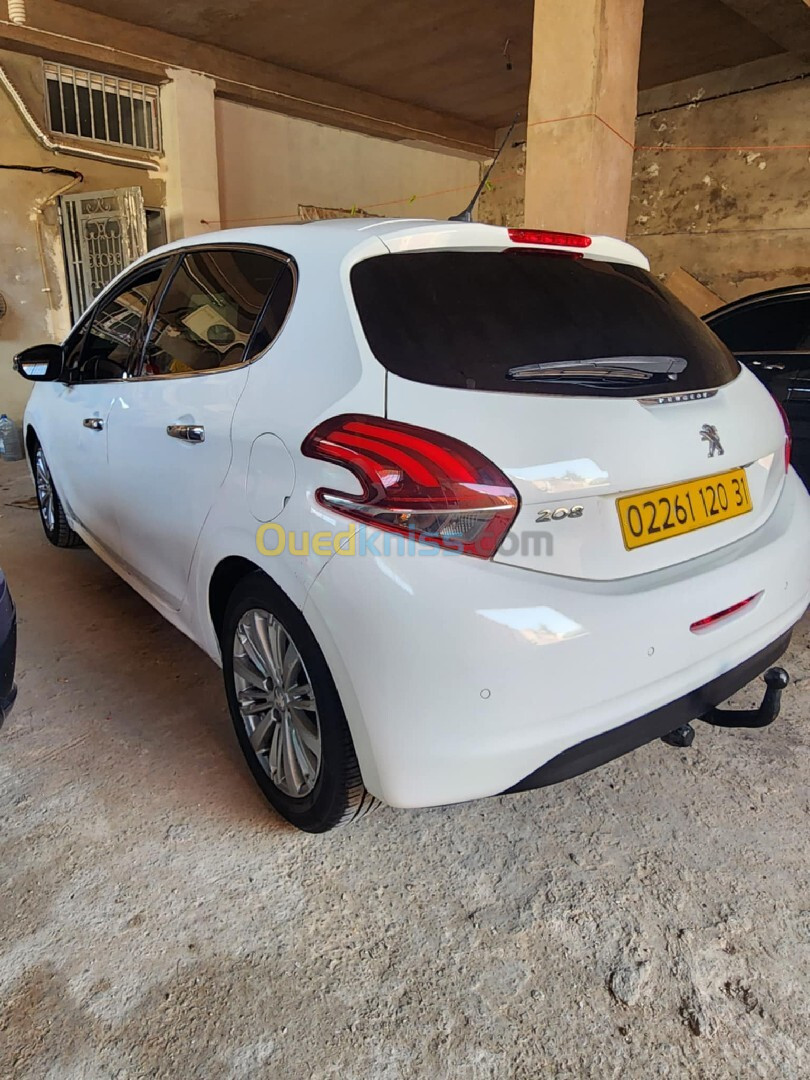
[89,105]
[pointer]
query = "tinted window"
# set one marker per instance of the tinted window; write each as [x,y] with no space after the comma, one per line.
[465,319]
[274,314]
[781,323]
[208,311]
[114,331]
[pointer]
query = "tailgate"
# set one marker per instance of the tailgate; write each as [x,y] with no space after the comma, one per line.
[561,454]
[585,382]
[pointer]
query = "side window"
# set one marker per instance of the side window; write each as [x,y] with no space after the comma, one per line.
[208,311]
[274,314]
[114,331]
[779,324]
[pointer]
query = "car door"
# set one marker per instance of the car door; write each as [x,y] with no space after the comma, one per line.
[771,335]
[169,436]
[99,355]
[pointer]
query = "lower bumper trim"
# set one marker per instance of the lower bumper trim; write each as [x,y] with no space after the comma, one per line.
[602,748]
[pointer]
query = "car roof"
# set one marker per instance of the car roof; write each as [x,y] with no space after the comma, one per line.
[339,236]
[754,299]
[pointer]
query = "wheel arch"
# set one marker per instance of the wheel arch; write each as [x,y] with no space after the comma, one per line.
[228,572]
[31,442]
[226,576]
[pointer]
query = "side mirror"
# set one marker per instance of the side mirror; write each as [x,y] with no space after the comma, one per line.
[40,363]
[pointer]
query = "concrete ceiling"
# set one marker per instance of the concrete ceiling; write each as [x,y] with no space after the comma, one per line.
[449,57]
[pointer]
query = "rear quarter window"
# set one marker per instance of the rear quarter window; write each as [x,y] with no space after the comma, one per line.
[467,319]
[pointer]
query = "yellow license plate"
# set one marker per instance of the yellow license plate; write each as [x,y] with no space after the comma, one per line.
[656,515]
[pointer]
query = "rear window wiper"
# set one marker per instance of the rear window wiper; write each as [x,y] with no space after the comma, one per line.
[601,369]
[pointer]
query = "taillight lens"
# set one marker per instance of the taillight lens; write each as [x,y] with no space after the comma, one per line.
[552,239]
[710,620]
[416,482]
[788,434]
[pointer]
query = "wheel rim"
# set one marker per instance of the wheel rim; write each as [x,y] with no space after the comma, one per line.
[45,493]
[276,703]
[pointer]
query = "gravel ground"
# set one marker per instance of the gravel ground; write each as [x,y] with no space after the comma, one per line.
[649,919]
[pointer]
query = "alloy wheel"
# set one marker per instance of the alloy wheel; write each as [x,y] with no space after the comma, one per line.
[276,703]
[45,493]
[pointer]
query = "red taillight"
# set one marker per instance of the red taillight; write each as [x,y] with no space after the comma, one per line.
[552,239]
[710,620]
[788,434]
[416,482]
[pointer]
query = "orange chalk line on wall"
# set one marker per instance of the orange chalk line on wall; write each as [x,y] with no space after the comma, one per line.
[425,195]
[40,31]
[514,174]
[583,116]
[668,146]
[508,177]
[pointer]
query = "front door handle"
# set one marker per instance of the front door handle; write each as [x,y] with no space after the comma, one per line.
[187,432]
[94,423]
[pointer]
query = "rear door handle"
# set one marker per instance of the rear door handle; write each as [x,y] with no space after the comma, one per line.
[187,432]
[94,423]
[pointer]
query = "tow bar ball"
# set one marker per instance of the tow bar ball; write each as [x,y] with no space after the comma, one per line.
[776,679]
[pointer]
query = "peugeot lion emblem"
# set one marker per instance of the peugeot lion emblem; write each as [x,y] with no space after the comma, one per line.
[709,434]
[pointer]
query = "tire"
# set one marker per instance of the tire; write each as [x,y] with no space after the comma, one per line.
[51,512]
[305,761]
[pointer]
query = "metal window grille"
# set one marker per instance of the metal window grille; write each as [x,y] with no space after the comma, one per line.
[89,105]
[103,232]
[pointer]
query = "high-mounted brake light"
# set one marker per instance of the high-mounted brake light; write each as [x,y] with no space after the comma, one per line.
[552,239]
[788,434]
[416,482]
[710,620]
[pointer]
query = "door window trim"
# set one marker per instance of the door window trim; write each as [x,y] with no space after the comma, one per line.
[85,323]
[151,315]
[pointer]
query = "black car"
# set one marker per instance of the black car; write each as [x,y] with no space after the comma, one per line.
[8,650]
[770,333]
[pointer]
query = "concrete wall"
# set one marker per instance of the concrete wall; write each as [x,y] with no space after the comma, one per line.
[737,220]
[269,163]
[503,201]
[34,315]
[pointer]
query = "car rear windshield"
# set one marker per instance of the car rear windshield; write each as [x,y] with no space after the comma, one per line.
[473,320]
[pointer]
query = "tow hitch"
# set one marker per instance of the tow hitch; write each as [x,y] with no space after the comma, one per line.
[776,679]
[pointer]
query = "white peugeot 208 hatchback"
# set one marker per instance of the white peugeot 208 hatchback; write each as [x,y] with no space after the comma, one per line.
[460,510]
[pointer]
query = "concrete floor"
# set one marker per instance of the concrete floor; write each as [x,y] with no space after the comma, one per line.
[156,920]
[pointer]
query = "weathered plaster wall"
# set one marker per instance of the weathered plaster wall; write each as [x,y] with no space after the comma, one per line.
[35,315]
[282,161]
[737,220]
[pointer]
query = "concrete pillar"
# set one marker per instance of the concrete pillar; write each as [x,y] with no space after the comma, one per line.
[190,153]
[582,113]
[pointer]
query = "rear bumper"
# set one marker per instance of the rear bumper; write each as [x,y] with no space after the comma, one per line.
[461,678]
[621,740]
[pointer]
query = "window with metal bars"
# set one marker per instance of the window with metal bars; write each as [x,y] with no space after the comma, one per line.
[105,108]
